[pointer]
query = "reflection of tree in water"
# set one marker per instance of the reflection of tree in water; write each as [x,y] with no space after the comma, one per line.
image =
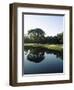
[59,54]
[36,54]
[26,51]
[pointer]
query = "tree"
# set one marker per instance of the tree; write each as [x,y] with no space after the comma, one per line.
[60,38]
[49,39]
[36,35]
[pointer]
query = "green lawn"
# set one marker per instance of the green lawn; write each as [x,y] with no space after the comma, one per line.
[55,47]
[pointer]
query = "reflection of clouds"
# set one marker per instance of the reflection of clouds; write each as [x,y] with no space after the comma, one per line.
[25,53]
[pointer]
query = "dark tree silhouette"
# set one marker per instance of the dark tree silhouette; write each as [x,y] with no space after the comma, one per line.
[60,38]
[36,55]
[36,35]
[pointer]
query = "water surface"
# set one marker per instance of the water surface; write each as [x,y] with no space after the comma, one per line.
[41,60]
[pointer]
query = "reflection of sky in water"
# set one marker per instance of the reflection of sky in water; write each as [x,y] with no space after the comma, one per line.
[50,64]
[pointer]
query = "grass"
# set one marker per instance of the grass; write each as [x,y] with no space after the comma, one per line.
[55,47]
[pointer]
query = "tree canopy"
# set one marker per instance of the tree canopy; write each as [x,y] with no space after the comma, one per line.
[37,35]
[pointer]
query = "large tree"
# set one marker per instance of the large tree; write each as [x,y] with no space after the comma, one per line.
[36,35]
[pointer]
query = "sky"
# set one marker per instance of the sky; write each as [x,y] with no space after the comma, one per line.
[50,24]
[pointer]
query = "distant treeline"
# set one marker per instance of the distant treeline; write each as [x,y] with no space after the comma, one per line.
[38,36]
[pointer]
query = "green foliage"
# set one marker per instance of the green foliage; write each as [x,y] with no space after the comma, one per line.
[38,36]
[58,39]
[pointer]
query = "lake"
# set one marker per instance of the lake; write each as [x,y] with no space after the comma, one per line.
[42,61]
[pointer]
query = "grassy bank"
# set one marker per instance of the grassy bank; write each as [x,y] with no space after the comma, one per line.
[55,47]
